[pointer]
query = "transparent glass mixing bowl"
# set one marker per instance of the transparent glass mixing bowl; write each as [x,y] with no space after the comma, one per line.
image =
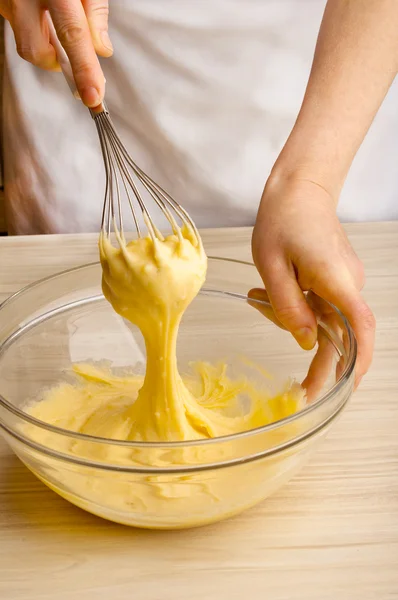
[64,319]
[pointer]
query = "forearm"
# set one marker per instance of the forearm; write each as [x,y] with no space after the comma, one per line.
[355,62]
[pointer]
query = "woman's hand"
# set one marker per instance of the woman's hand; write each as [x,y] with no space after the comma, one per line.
[299,245]
[82,27]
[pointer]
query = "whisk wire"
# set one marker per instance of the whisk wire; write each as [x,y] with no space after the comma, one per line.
[119,150]
[120,170]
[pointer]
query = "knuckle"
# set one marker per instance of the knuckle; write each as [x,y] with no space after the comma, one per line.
[36,56]
[23,51]
[100,10]
[26,52]
[367,318]
[71,34]
[83,72]
[273,262]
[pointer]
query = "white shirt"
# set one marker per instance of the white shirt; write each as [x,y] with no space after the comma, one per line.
[204,95]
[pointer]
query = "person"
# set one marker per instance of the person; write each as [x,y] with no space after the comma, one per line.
[204,96]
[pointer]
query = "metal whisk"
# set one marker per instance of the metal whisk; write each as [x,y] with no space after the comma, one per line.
[123,175]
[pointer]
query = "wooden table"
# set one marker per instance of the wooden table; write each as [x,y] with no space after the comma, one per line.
[331,534]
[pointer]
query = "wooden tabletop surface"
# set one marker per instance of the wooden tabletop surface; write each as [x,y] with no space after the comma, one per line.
[331,534]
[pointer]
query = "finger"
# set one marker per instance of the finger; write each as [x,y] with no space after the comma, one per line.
[335,329]
[258,299]
[288,302]
[74,34]
[97,12]
[32,36]
[320,367]
[363,323]
[342,292]
[258,294]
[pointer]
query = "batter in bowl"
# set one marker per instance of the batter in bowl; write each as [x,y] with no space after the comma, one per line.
[151,283]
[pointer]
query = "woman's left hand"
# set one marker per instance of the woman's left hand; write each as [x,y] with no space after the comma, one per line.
[299,245]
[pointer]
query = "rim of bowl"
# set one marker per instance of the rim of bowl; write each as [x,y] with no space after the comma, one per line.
[336,387]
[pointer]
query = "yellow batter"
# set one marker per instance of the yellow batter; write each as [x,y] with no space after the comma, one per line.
[151,283]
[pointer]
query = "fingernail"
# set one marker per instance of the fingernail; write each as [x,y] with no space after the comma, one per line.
[91,97]
[305,337]
[105,39]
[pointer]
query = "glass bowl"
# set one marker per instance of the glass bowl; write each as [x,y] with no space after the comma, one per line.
[62,320]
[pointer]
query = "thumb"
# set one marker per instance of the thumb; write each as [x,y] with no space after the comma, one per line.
[289,304]
[97,12]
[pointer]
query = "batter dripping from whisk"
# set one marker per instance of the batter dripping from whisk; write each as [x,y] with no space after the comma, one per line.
[151,282]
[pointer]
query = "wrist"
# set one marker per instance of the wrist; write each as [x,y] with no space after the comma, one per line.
[295,184]
[296,165]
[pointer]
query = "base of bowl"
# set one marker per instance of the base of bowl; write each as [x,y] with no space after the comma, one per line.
[154,523]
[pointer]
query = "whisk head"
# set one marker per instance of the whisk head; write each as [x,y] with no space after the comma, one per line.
[127,182]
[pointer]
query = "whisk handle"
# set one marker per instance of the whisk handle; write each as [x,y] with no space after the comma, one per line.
[62,58]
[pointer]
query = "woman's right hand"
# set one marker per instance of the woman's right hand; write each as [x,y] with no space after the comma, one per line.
[82,28]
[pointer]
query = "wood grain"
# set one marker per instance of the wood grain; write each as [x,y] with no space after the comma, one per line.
[332,533]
